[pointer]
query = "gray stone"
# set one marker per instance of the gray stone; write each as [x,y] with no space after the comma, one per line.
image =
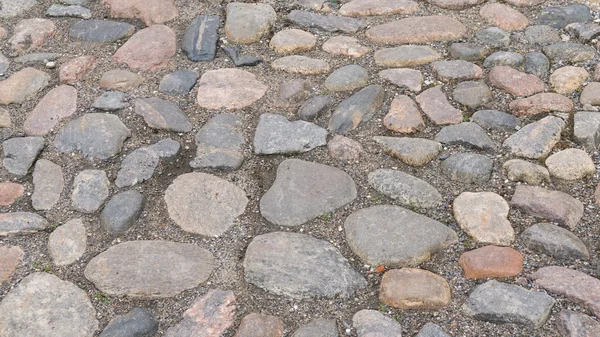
[587,129]
[320,327]
[303,191]
[466,134]
[499,302]
[408,190]
[560,17]
[20,153]
[395,237]
[410,79]
[110,101]
[241,60]
[300,64]
[220,144]
[37,58]
[356,109]
[178,83]
[121,211]
[574,324]
[137,167]
[95,135]
[90,189]
[299,266]
[48,184]
[536,140]
[139,322]
[412,151]
[60,309]
[569,52]
[248,22]
[405,56]
[329,23]
[554,241]
[275,134]
[571,164]
[348,77]
[165,148]
[163,115]
[67,243]
[521,170]
[200,39]
[101,31]
[493,37]
[495,120]
[456,70]
[21,223]
[344,148]
[12,8]
[504,58]
[551,205]
[74,2]
[372,323]
[541,34]
[473,94]
[204,204]
[432,330]
[314,107]
[468,167]
[584,31]
[124,269]
[537,64]
[468,51]
[74,11]
[4,64]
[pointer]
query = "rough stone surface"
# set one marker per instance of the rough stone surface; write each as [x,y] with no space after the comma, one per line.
[411,288]
[346,46]
[504,58]
[162,114]
[20,153]
[372,323]
[291,41]
[404,116]
[241,60]
[320,327]
[21,223]
[456,70]
[560,17]
[148,49]
[468,51]
[100,31]
[275,134]
[554,241]
[138,322]
[574,324]
[541,34]
[491,262]
[220,144]
[314,107]
[75,70]
[537,64]
[37,58]
[121,211]
[412,151]
[346,78]
[329,23]
[495,120]
[590,94]
[298,64]
[10,259]
[12,8]
[405,56]
[260,325]
[31,34]
[48,184]
[466,134]
[483,215]
[74,11]
[571,164]
[229,88]
[118,79]
[178,83]
[410,79]
[137,167]
[536,140]
[567,79]
[422,29]
[356,109]
[515,82]
[248,22]
[59,103]
[503,17]
[358,8]
[67,243]
[151,12]
[291,93]
[110,101]
[22,85]
[408,190]
[493,37]
[521,170]
[432,330]
[586,129]
[569,52]
[468,168]
[90,189]
[344,148]
[473,94]
[10,192]
[200,39]
[551,205]
[435,105]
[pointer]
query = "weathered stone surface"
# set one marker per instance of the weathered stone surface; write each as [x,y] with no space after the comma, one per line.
[372,323]
[48,184]
[74,11]
[314,107]
[241,60]
[569,52]
[31,34]
[90,189]
[358,8]
[571,164]
[567,79]
[590,94]
[541,34]
[586,129]
[165,148]
[260,325]
[345,45]
[466,134]
[320,327]
[21,223]
[10,192]
[220,144]
[404,116]
[554,241]
[493,37]
[419,29]
[123,269]
[328,23]
[303,191]
[499,302]
[299,266]
[100,31]
[435,105]
[503,16]
[536,63]
[121,211]
[574,324]
[483,215]
[473,94]
[504,58]
[412,151]
[148,49]
[204,204]
[229,88]
[59,103]
[11,8]
[10,259]
[410,288]
[346,78]
[490,262]
[456,70]
[468,168]
[521,170]
[178,83]
[584,31]
[200,39]
[118,79]
[151,12]
[95,135]
[20,153]
[22,85]
[248,22]
[60,309]
[356,109]
[344,148]
[410,79]
[408,190]
[210,315]
[67,243]
[560,17]
[75,70]
[291,93]
[291,41]
[138,322]
[468,51]
[275,134]
[395,237]
[525,3]
[573,284]
[551,205]
[515,82]
[37,58]
[536,140]
[298,64]
[110,101]
[405,56]
[432,330]
[162,114]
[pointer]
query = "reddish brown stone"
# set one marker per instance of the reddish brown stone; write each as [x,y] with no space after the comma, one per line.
[344,148]
[404,116]
[30,34]
[10,258]
[491,261]
[358,8]
[541,103]
[150,12]
[435,105]
[515,82]
[149,49]
[260,325]
[59,103]
[75,69]
[503,17]
[410,288]
[419,29]
[10,192]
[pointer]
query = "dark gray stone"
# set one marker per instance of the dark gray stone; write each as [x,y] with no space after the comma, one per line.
[408,190]
[37,58]
[466,134]
[314,107]
[560,17]
[473,94]
[275,134]
[110,101]
[541,34]
[102,31]
[348,77]
[20,153]
[121,211]
[21,223]
[396,237]
[139,322]
[536,140]
[554,241]
[569,52]
[200,39]
[493,37]
[75,11]
[432,330]
[468,167]
[329,23]
[586,129]
[356,109]
[499,302]
[504,58]
[319,327]
[241,60]
[468,51]
[372,323]
[495,120]
[178,83]
[537,63]
[299,266]
[163,115]
[137,167]
[165,148]
[220,144]
[90,189]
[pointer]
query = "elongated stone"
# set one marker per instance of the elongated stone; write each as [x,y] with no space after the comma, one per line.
[405,56]
[547,204]
[275,134]
[356,109]
[554,241]
[419,29]
[100,31]
[436,106]
[329,23]
[48,182]
[200,39]
[162,114]
[59,103]
[21,223]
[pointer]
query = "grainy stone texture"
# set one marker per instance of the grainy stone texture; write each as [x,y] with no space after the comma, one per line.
[412,151]
[467,134]
[406,189]
[574,324]
[521,170]
[515,82]
[138,322]
[219,144]
[67,243]
[291,41]
[151,12]
[31,34]
[503,16]
[404,116]
[411,288]
[118,79]
[229,88]
[248,22]
[551,205]
[405,56]
[378,7]
[21,223]
[435,105]
[344,148]
[75,70]
[162,114]
[200,38]
[495,120]
[586,129]
[48,184]
[345,45]
[483,216]
[356,109]
[571,164]
[99,31]
[468,168]
[536,140]
[554,241]
[320,327]
[410,79]
[122,211]
[149,49]
[10,192]
[260,325]
[372,323]
[210,315]
[329,23]
[20,153]
[22,85]
[299,64]
[10,259]
[59,103]
[275,134]
[90,189]
[421,29]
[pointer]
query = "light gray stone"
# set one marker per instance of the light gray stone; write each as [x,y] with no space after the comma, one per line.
[37,58]
[137,167]
[473,94]
[165,148]
[12,8]
[586,129]
[73,11]
[248,22]
[90,189]
[275,134]
[314,107]
[67,243]
[560,17]
[346,78]
[536,140]
[110,101]
[504,58]
[521,170]
[408,190]
[569,52]
[541,34]
[20,153]
[432,330]
[493,37]
[537,64]
[48,184]
[122,211]
[320,327]
[372,323]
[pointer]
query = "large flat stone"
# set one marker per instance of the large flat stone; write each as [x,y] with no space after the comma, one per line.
[412,151]
[275,134]
[405,56]
[162,114]
[229,88]
[100,31]
[59,103]
[248,22]
[23,85]
[554,241]
[483,215]
[329,23]
[536,140]
[219,144]
[148,49]
[436,106]
[418,29]
[468,168]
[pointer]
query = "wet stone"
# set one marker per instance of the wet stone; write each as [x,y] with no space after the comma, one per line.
[248,22]
[299,266]
[483,215]
[378,7]
[412,151]
[67,243]
[229,88]
[48,184]
[138,322]
[504,58]
[275,134]
[20,153]
[121,211]
[404,116]
[291,93]
[499,302]
[10,192]
[220,144]
[432,330]
[241,60]
[395,237]
[468,168]
[22,85]
[405,56]
[541,103]
[554,241]
[314,107]
[10,259]
[536,140]
[541,34]
[90,189]
[473,94]
[260,325]
[151,12]
[571,164]
[75,70]
[503,16]
[493,37]
[468,51]
[31,34]
[210,315]
[590,94]
[491,262]
[346,78]
[569,52]
[515,82]
[406,78]
[435,105]
[118,79]
[200,39]
[457,70]
[356,109]
[320,327]
[100,31]
[148,49]
[417,289]
[21,223]
[291,41]
[345,45]
[110,101]
[466,134]
[421,29]
[521,170]
[372,323]
[560,17]
[162,114]
[298,64]
[407,190]
[75,11]
[550,205]
[537,64]
[574,324]
[59,103]
[587,129]
[329,23]
[344,148]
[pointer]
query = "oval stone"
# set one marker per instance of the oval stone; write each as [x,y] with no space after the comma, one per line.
[418,29]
